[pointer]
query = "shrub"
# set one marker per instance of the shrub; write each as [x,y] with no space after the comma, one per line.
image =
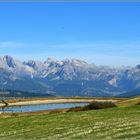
[100,105]
[138,103]
[78,108]
[93,106]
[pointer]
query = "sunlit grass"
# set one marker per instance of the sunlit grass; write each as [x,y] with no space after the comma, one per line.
[128,102]
[121,122]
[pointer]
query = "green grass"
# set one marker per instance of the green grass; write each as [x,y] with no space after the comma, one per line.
[120,122]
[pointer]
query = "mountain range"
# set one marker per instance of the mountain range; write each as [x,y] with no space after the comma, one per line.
[69,77]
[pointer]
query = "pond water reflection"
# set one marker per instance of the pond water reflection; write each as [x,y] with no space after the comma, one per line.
[33,108]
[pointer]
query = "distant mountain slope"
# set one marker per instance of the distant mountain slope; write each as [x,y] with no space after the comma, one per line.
[69,77]
[132,93]
[14,93]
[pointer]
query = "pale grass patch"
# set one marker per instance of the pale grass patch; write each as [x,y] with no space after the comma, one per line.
[85,132]
[132,132]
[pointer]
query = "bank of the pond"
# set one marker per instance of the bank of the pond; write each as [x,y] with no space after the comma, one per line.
[53,101]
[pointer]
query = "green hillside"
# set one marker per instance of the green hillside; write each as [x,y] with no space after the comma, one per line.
[121,122]
[129,102]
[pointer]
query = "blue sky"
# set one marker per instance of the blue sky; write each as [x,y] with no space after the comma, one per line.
[100,33]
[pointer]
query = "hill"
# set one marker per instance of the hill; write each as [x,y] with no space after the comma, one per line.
[21,94]
[114,123]
[129,102]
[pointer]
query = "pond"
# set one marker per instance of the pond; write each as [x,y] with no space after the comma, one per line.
[33,108]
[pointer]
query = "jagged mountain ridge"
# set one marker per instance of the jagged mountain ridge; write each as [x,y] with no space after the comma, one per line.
[69,77]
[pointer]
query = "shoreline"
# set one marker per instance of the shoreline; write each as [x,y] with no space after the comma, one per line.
[53,101]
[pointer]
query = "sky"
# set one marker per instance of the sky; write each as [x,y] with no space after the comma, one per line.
[99,33]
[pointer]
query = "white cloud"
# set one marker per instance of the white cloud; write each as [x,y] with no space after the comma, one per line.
[11,44]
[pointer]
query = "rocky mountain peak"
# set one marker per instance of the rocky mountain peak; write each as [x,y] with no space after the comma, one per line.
[53,62]
[138,66]
[69,73]
[38,65]
[10,61]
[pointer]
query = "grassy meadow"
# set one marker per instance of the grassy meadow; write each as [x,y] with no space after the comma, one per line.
[112,123]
